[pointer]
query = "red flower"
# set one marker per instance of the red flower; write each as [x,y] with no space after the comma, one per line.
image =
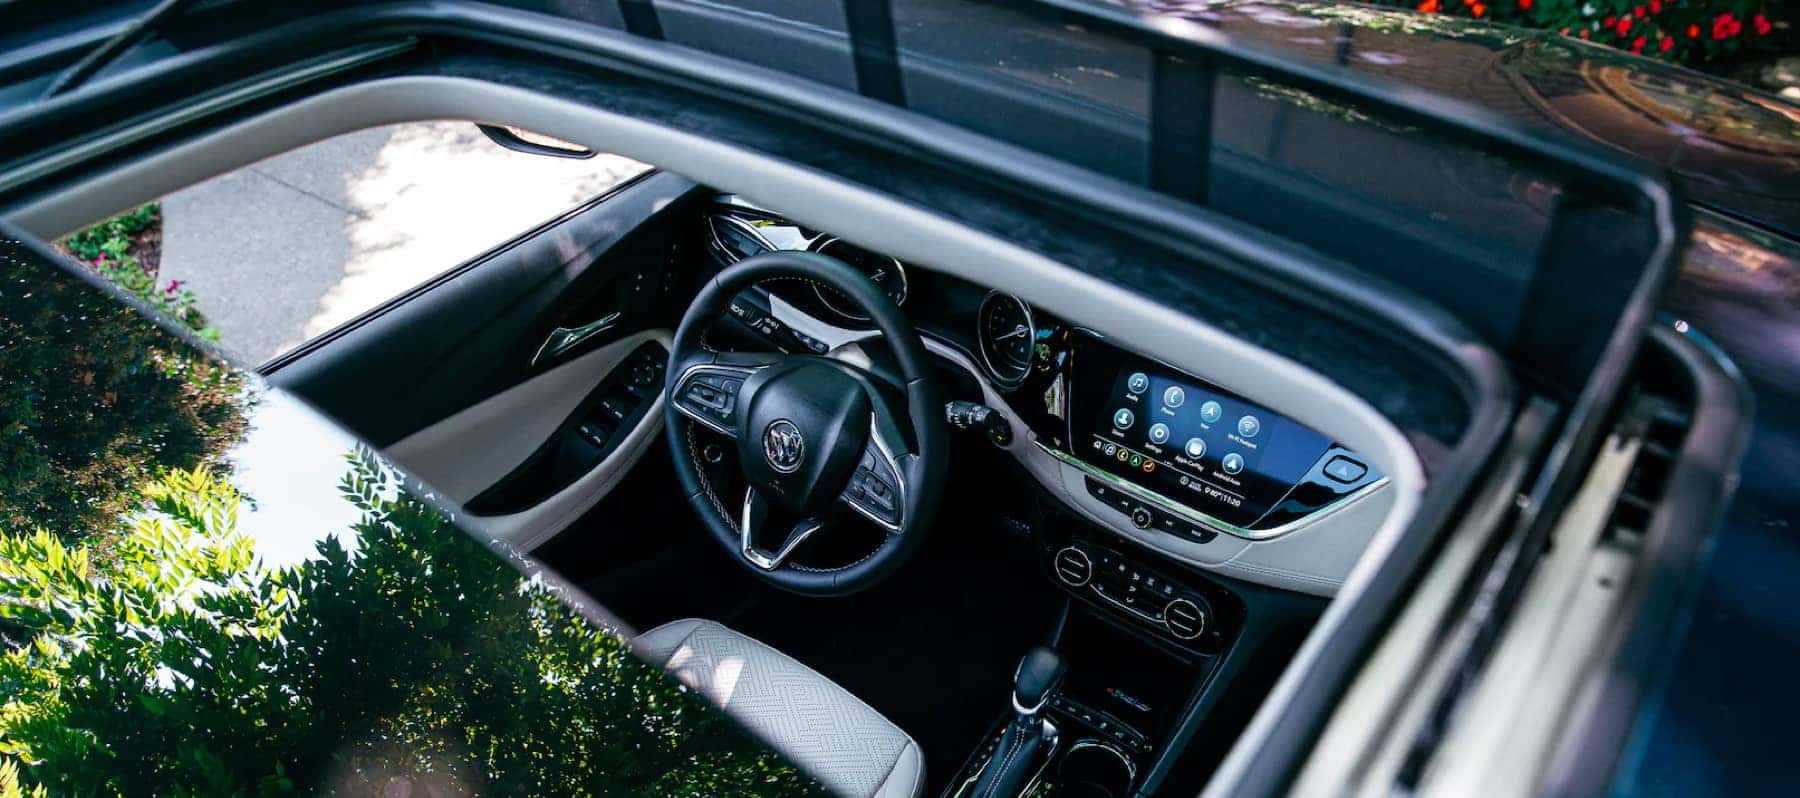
[1693,31]
[1429,6]
[1667,45]
[1478,9]
[1584,33]
[1624,25]
[1525,5]
[1638,12]
[1608,22]
[1637,45]
[1656,6]
[1762,25]
[1565,31]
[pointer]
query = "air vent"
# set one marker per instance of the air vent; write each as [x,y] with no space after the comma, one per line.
[1665,424]
[1185,619]
[1073,567]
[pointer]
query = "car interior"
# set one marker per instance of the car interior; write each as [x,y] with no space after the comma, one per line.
[1014,479]
[930,509]
[868,477]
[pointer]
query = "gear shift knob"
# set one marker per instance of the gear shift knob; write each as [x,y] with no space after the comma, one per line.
[1040,673]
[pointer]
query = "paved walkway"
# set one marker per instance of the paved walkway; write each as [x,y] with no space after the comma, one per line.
[288,248]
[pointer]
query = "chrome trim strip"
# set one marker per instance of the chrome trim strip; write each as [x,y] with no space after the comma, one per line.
[562,338]
[1189,514]
[755,555]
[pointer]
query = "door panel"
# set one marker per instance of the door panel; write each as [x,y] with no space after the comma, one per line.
[483,329]
[498,440]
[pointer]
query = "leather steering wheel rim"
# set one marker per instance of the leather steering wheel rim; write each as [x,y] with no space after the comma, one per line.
[922,469]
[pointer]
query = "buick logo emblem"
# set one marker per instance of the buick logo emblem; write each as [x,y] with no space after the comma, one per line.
[784,446]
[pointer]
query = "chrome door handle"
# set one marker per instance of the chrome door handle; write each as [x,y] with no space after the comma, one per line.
[562,338]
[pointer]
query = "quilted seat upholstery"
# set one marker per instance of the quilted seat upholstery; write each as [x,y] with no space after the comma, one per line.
[849,747]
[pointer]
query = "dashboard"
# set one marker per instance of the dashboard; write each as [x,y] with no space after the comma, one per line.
[1153,452]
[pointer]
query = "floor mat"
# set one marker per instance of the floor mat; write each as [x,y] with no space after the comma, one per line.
[933,648]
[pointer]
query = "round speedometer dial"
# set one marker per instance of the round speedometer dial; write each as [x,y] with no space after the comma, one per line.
[1007,336]
[886,273]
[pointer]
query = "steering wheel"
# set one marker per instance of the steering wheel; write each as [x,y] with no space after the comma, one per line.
[816,437]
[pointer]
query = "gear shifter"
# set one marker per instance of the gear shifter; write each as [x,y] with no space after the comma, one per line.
[1028,737]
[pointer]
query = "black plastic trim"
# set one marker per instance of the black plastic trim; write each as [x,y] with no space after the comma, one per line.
[1676,547]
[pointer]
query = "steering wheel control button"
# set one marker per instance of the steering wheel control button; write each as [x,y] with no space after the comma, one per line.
[1344,469]
[1137,383]
[1248,426]
[712,396]
[1123,419]
[1159,433]
[1211,412]
[1142,518]
[1232,463]
[1174,396]
[1195,448]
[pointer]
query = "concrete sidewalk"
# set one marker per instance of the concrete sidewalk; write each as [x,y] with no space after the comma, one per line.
[288,248]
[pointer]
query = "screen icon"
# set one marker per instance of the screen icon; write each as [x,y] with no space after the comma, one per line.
[1196,448]
[1149,465]
[1138,382]
[1211,412]
[1174,396]
[1248,426]
[1123,419]
[1123,455]
[1232,463]
[1159,433]
[1137,460]
[1111,450]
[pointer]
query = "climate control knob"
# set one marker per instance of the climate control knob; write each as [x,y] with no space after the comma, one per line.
[1185,619]
[1073,566]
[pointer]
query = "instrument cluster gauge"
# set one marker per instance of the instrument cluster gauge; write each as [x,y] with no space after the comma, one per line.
[886,273]
[1007,337]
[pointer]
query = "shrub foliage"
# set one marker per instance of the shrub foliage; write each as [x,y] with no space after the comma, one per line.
[96,401]
[422,660]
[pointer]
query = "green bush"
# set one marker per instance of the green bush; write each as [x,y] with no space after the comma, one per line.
[106,248]
[1681,31]
[95,402]
[423,659]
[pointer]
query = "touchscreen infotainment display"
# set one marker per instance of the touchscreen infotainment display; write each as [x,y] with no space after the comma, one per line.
[1191,441]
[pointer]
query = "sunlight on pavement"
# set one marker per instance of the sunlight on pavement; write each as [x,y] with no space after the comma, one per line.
[437,195]
[286,249]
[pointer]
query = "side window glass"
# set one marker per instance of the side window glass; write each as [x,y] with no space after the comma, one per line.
[267,257]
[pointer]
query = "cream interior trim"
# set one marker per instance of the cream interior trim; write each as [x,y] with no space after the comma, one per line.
[467,453]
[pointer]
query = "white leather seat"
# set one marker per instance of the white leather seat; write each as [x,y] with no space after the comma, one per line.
[849,747]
